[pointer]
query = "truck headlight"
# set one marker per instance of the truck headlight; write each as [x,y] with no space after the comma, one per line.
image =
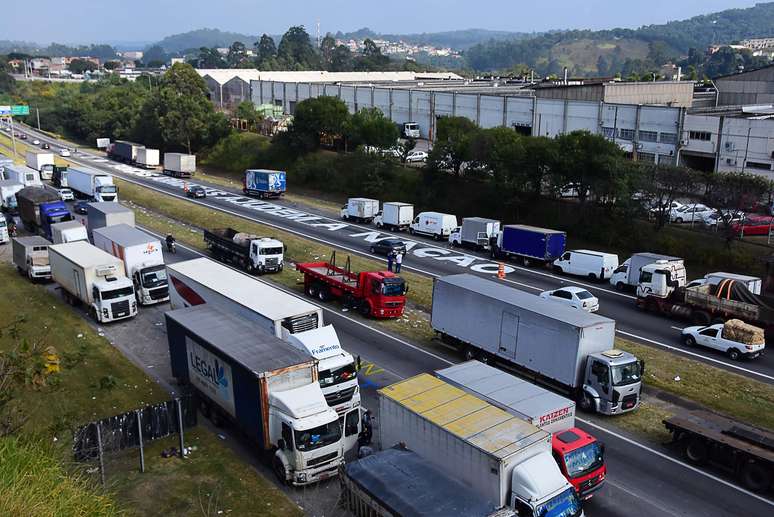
[301,476]
[105,311]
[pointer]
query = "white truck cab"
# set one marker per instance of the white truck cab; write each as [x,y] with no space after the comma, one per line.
[538,489]
[266,254]
[661,278]
[113,299]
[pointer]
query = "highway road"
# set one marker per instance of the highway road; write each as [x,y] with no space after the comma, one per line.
[643,480]
[431,258]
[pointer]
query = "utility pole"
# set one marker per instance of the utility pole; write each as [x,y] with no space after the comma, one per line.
[319,42]
[37,111]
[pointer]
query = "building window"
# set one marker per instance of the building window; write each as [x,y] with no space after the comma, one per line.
[648,136]
[626,134]
[704,136]
[668,138]
[608,132]
[759,166]
[665,159]
[646,157]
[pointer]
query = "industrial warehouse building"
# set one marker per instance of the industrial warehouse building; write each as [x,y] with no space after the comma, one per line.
[746,88]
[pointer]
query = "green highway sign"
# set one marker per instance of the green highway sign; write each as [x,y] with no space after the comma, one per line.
[20,110]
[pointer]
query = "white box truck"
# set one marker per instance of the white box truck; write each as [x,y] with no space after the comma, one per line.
[8,190]
[501,457]
[360,209]
[142,257]
[41,161]
[475,232]
[395,216]
[30,256]
[106,213]
[27,176]
[147,158]
[68,231]
[179,165]
[578,455]
[89,276]
[434,224]
[628,274]
[199,281]
[91,184]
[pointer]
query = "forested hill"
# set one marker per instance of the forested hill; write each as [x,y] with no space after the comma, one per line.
[605,52]
[459,39]
[204,38]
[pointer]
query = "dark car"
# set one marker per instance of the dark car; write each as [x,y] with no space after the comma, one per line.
[23,136]
[196,192]
[45,146]
[385,246]
[81,207]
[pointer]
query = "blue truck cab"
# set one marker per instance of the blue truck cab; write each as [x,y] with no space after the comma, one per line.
[51,213]
[264,183]
[528,243]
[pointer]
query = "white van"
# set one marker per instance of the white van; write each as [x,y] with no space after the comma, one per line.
[593,264]
[435,224]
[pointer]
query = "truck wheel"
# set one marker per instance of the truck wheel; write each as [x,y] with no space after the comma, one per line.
[619,286]
[93,314]
[411,231]
[592,277]
[469,353]
[437,236]
[323,294]
[696,451]
[373,250]
[585,403]
[558,270]
[365,309]
[526,261]
[279,470]
[250,269]
[733,354]
[311,290]
[756,477]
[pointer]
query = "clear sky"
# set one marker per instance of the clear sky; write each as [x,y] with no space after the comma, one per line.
[81,21]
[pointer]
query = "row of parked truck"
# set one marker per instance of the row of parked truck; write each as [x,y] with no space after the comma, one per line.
[179,165]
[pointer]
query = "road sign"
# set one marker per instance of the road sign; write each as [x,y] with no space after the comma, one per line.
[20,110]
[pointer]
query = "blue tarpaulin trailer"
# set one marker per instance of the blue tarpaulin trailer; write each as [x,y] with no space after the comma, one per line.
[529,243]
[264,183]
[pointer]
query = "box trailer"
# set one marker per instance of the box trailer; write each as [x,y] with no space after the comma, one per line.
[265,183]
[142,257]
[395,216]
[27,176]
[30,256]
[105,214]
[265,386]
[496,454]
[528,243]
[360,209]
[8,190]
[475,232]
[91,184]
[41,161]
[94,278]
[554,344]
[68,231]
[179,165]
[39,208]
[397,481]
[579,455]
[147,158]
[123,151]
[628,273]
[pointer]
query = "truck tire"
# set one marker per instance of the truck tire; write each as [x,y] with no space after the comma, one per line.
[373,250]
[279,470]
[586,404]
[312,289]
[411,231]
[323,294]
[619,286]
[695,451]
[756,477]
[592,277]
[733,354]
[700,318]
[365,309]
[558,270]
[469,353]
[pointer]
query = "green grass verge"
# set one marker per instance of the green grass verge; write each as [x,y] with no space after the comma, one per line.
[716,389]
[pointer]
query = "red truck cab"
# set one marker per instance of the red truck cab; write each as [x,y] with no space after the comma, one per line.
[385,293]
[580,457]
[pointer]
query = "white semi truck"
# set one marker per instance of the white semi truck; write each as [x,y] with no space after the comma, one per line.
[94,278]
[91,184]
[41,161]
[143,260]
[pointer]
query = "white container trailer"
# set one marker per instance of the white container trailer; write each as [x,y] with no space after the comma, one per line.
[68,231]
[475,232]
[360,209]
[179,164]
[27,176]
[91,184]
[434,224]
[147,158]
[94,278]
[41,161]
[8,190]
[106,213]
[142,257]
[395,216]
[501,457]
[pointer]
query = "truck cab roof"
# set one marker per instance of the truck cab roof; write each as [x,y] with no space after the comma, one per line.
[305,402]
[538,476]
[113,283]
[615,357]
[321,343]
[570,440]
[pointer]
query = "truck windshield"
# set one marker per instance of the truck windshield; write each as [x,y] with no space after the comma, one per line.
[393,287]
[154,278]
[565,504]
[337,375]
[584,460]
[317,437]
[624,374]
[107,189]
[271,251]
[61,218]
[117,293]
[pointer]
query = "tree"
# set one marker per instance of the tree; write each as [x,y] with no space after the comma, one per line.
[341,61]
[327,51]
[80,66]
[155,53]
[735,193]
[296,51]
[372,58]
[314,118]
[246,111]
[237,54]
[266,51]
[660,185]
[210,58]
[452,147]
[112,65]
[499,152]
[370,127]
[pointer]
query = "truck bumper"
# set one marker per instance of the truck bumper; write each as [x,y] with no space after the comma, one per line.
[309,476]
[382,313]
[607,408]
[587,490]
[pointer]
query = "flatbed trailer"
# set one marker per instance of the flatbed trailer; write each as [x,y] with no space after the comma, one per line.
[746,451]
[381,294]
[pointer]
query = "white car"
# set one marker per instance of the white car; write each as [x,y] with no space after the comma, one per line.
[36,142]
[416,156]
[64,152]
[575,297]
[690,214]
[711,337]
[712,220]
[65,194]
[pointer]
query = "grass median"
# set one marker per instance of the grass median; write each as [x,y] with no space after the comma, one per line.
[94,381]
[708,386]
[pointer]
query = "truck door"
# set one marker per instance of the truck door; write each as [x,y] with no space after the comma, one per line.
[509,333]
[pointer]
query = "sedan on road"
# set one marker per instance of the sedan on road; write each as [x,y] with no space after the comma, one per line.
[81,207]
[196,192]
[416,156]
[690,214]
[386,246]
[712,337]
[64,152]
[36,142]
[44,145]
[575,297]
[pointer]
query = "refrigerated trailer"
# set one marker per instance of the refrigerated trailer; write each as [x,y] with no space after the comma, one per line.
[147,158]
[564,348]
[179,165]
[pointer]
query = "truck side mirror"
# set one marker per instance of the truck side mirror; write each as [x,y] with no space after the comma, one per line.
[642,368]
[281,444]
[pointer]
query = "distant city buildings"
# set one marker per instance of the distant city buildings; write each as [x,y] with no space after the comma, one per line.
[400,48]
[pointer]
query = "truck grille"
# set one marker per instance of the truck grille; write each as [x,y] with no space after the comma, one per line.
[120,309]
[629,401]
[321,459]
[589,483]
[301,323]
[160,293]
[393,304]
[334,399]
[272,261]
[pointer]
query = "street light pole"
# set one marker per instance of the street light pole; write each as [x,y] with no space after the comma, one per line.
[37,111]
